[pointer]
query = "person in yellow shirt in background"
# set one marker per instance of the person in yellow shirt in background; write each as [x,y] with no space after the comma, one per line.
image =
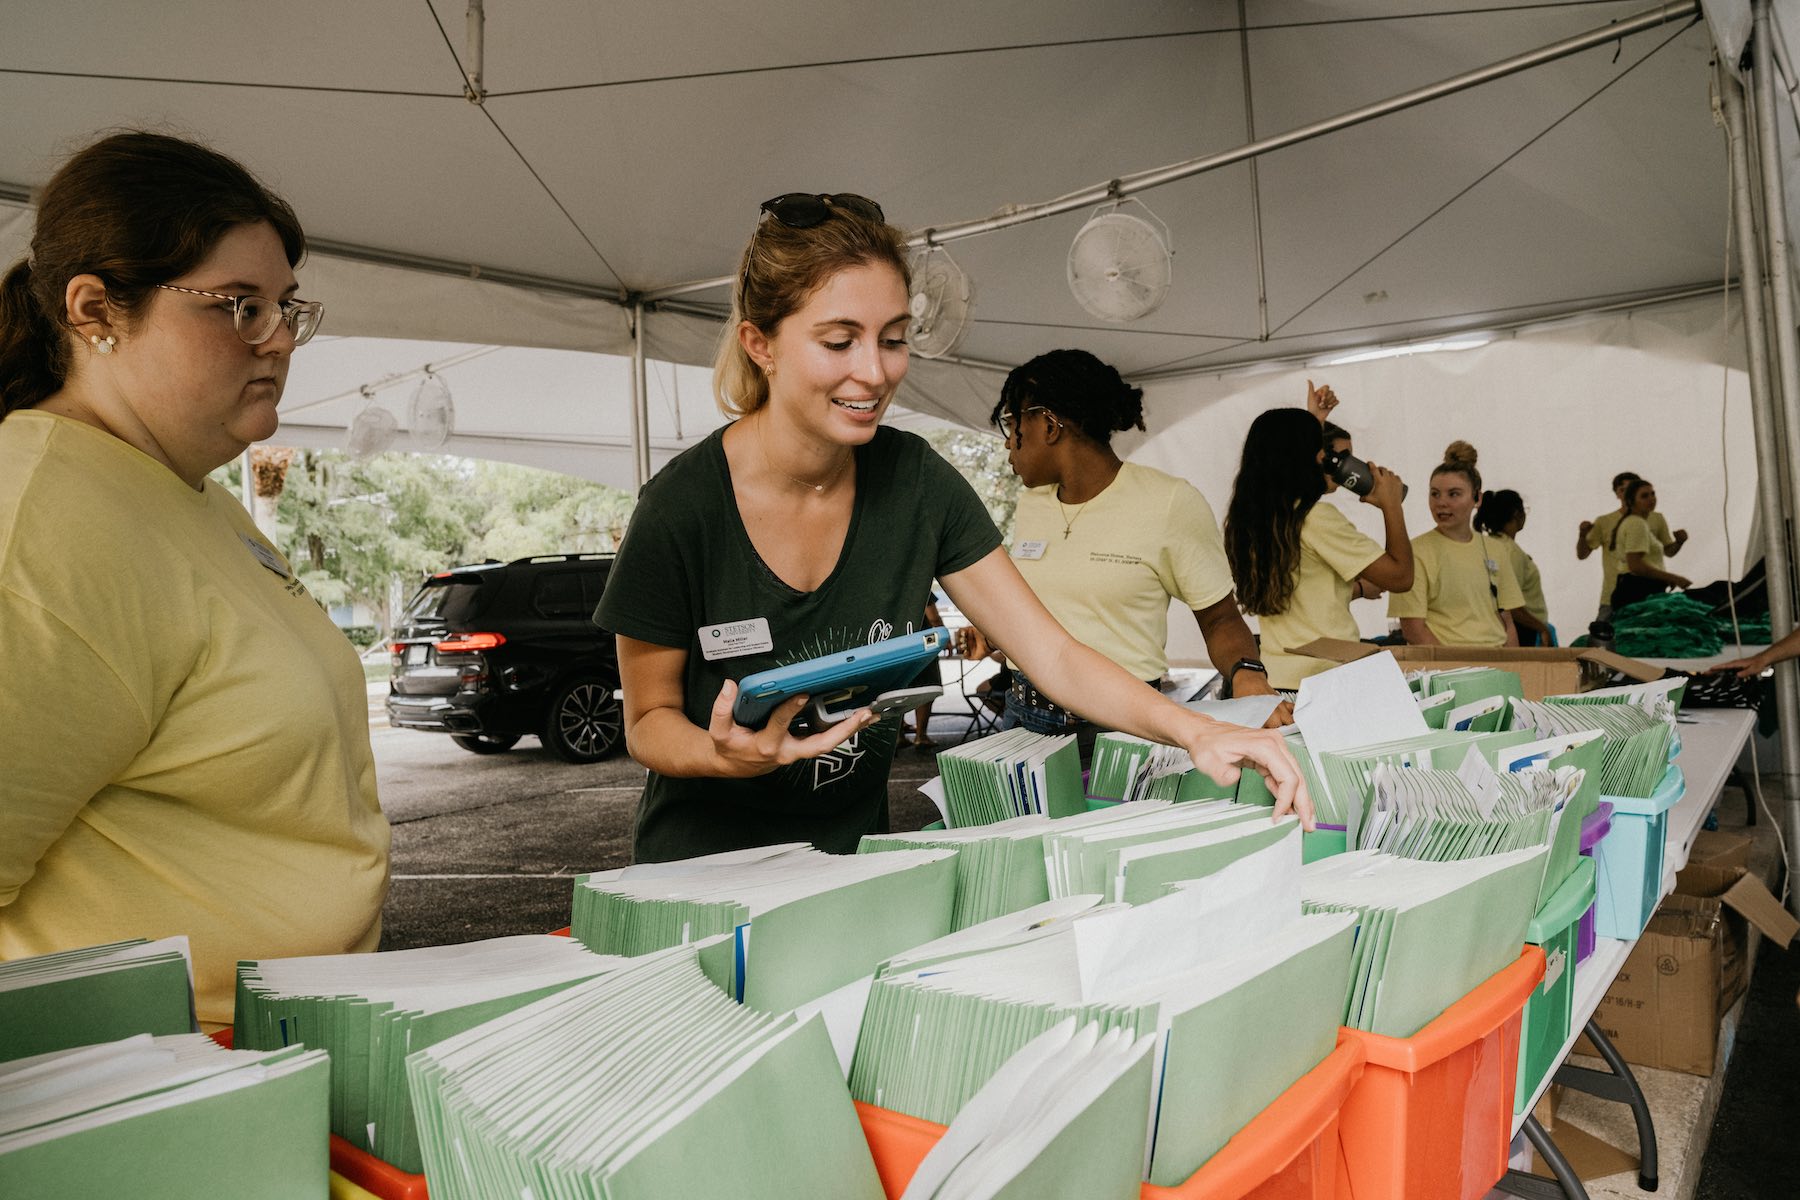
[1637,550]
[1106,544]
[184,735]
[1298,563]
[1501,516]
[1464,589]
[1597,535]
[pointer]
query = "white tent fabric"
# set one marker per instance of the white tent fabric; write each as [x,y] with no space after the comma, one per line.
[621,149]
[1556,412]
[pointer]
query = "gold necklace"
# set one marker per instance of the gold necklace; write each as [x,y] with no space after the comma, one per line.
[816,487]
[1068,521]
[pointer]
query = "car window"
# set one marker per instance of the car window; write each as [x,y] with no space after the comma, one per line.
[593,585]
[557,596]
[442,601]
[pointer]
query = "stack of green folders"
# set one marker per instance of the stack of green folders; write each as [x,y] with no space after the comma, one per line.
[1436,708]
[1649,696]
[1467,684]
[1062,1117]
[96,994]
[372,1010]
[645,1082]
[1347,772]
[1252,788]
[1445,815]
[1580,752]
[1014,773]
[164,1118]
[1427,932]
[1133,768]
[1137,854]
[1196,969]
[999,867]
[1637,740]
[820,921]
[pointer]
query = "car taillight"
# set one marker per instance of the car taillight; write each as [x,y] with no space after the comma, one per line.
[468,642]
[398,649]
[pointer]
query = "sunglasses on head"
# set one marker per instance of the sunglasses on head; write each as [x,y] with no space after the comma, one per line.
[803,210]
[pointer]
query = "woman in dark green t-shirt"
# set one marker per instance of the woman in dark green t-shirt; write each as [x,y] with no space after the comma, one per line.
[806,518]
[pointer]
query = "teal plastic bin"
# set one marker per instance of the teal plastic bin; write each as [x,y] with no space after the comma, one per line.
[1629,861]
[1552,1006]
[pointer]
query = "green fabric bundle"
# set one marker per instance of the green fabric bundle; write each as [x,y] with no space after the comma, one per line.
[1674,625]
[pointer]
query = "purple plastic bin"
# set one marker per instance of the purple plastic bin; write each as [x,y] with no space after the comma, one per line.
[1594,826]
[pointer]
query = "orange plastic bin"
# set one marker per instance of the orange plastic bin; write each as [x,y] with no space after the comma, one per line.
[372,1175]
[1289,1151]
[1432,1113]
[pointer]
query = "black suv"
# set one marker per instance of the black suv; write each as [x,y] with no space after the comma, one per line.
[491,652]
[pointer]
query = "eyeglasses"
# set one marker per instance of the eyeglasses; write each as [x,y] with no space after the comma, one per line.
[803,210]
[255,318]
[1005,422]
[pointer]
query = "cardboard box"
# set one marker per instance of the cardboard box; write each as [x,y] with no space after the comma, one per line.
[1549,672]
[1692,963]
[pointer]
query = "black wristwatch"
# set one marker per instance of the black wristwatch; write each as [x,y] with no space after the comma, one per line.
[1242,664]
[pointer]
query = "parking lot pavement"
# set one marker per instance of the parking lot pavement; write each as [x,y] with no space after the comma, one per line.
[489,845]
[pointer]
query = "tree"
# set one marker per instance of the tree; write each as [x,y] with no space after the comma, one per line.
[981,458]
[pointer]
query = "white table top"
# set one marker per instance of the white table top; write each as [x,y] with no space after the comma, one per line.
[1711,740]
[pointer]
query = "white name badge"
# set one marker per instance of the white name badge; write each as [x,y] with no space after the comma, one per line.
[1032,550]
[734,639]
[264,555]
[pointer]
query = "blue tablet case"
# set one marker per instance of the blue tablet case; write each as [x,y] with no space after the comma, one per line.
[847,679]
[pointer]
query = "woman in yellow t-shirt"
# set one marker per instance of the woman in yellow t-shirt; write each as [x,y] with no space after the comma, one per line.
[1501,517]
[184,736]
[1637,551]
[1464,589]
[1297,563]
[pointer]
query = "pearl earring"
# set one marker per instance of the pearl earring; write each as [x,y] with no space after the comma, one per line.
[103,345]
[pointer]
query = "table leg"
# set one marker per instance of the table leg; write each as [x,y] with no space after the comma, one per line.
[1618,1084]
[1565,1186]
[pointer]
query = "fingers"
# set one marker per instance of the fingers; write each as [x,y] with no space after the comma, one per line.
[1283,714]
[827,740]
[720,723]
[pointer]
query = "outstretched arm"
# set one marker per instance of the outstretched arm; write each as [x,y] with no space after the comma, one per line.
[992,593]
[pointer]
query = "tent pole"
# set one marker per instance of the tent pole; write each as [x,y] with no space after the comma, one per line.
[1787,344]
[1776,565]
[640,399]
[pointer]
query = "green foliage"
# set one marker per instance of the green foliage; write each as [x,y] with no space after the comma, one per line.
[352,527]
[981,457]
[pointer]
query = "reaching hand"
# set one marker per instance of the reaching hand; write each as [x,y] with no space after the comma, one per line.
[749,752]
[1223,751]
[1743,668]
[1320,401]
[1586,528]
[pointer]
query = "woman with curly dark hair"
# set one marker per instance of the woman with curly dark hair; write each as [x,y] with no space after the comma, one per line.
[1298,563]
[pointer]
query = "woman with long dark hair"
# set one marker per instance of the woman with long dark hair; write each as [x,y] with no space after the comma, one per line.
[1501,517]
[1296,562]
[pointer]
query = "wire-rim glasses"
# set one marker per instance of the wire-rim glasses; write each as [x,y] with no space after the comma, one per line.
[255,317]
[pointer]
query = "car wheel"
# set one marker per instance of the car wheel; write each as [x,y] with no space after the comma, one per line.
[485,743]
[586,721]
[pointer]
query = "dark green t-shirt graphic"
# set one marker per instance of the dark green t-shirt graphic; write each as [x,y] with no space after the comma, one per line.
[687,565]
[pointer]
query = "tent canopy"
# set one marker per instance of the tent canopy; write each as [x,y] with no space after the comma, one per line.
[622,149]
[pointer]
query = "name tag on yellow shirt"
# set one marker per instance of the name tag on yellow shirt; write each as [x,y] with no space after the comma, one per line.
[1032,550]
[264,555]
